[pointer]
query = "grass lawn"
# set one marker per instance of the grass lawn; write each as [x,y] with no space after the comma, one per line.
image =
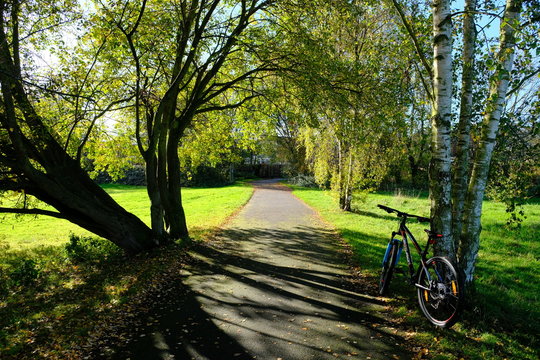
[51,301]
[502,321]
[205,209]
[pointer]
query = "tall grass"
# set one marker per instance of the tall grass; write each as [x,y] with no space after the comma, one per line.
[500,323]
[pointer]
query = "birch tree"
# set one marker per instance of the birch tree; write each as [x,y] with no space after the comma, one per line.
[457,214]
[462,159]
[440,177]
[470,235]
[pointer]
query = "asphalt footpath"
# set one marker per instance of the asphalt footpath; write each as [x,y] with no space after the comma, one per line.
[272,285]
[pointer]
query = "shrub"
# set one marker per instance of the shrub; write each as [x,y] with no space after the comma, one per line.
[4,282]
[304,181]
[24,273]
[89,249]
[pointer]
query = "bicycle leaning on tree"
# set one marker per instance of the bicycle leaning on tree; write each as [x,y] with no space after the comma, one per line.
[436,279]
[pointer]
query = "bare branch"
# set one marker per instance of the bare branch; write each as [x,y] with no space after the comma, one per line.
[32,212]
[47,28]
[522,81]
[228,106]
[412,35]
[80,89]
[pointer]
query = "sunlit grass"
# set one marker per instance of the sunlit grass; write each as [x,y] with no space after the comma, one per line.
[51,316]
[499,322]
[205,209]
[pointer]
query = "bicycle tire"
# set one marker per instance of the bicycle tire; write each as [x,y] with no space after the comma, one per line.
[441,304]
[388,270]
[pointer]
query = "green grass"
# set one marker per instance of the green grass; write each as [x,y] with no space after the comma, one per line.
[61,299]
[205,209]
[502,320]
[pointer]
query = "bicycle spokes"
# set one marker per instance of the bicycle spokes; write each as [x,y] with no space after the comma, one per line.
[438,291]
[437,281]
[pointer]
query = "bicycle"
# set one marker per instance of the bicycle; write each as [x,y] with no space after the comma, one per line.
[436,279]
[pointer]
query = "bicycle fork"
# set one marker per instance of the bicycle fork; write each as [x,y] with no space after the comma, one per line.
[399,244]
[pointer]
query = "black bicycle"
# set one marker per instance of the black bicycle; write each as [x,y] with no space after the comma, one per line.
[436,279]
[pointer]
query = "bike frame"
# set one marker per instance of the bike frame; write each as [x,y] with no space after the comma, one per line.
[406,234]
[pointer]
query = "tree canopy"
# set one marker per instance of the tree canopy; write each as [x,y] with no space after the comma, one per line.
[359,94]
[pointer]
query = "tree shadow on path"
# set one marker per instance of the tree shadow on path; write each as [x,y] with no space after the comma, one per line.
[234,302]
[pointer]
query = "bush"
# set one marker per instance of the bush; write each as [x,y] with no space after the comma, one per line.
[24,273]
[207,176]
[4,282]
[133,176]
[304,181]
[89,249]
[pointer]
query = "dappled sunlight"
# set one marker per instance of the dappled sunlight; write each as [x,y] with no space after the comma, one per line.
[280,310]
[271,284]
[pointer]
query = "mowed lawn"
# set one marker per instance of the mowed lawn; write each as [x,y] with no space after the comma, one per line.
[502,318]
[56,295]
[205,209]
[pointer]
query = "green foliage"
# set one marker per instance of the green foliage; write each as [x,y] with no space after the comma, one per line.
[113,152]
[90,249]
[306,181]
[24,273]
[348,107]
[217,139]
[17,273]
[515,171]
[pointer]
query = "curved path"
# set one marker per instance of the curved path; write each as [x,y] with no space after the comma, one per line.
[273,285]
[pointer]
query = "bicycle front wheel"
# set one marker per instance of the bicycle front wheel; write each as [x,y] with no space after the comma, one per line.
[388,268]
[439,292]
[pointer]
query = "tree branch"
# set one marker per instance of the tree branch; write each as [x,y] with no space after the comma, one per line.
[412,35]
[521,82]
[228,106]
[32,212]
[90,128]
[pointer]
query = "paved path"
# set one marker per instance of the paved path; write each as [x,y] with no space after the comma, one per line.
[272,286]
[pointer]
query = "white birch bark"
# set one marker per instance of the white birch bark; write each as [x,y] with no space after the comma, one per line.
[470,236]
[440,166]
[461,164]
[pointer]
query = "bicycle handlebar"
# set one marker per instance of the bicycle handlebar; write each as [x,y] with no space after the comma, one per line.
[403,214]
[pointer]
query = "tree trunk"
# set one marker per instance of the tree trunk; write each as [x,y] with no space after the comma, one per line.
[69,189]
[413,164]
[152,188]
[348,190]
[440,165]
[341,189]
[34,162]
[175,211]
[461,168]
[470,235]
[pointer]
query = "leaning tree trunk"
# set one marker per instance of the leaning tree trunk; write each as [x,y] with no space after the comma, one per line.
[440,165]
[69,189]
[38,165]
[470,236]
[461,167]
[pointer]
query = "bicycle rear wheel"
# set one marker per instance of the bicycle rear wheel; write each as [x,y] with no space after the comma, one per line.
[439,292]
[388,268]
